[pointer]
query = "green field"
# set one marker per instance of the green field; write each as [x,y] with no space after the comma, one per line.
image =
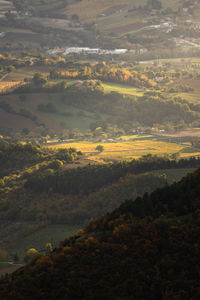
[64,117]
[174,174]
[77,118]
[82,119]
[50,234]
[80,122]
[190,97]
[122,89]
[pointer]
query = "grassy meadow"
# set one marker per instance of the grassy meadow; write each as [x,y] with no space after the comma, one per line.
[122,89]
[174,174]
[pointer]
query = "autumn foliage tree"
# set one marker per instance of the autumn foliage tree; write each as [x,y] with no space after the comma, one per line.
[155,240]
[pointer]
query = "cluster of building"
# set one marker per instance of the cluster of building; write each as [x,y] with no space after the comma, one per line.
[87,50]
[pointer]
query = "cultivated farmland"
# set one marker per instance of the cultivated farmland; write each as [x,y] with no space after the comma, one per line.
[123,150]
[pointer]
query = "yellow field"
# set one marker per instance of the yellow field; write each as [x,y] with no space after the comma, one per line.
[123,150]
[186,155]
[9,85]
[134,136]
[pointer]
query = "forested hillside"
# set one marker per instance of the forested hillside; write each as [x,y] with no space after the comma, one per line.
[147,249]
[41,188]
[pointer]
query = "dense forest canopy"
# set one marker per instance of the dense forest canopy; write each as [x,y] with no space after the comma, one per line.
[139,238]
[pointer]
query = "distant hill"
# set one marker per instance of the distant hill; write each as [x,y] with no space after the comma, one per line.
[147,249]
[87,96]
[103,23]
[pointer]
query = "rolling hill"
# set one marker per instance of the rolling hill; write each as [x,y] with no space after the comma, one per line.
[99,104]
[147,249]
[46,193]
[122,24]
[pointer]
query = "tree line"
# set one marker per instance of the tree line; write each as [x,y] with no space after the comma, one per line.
[88,179]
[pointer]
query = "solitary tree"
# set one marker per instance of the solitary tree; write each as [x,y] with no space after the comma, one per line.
[48,248]
[30,254]
[100,148]
[39,79]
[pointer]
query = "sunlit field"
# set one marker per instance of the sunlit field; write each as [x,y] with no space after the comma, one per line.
[122,89]
[134,136]
[123,150]
[9,85]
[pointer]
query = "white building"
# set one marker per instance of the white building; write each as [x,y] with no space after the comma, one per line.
[81,50]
